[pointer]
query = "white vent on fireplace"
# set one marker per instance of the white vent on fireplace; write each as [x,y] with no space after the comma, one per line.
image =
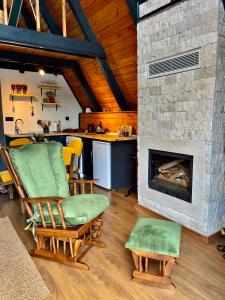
[179,63]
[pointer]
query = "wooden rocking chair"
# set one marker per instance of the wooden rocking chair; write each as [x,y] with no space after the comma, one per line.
[61,224]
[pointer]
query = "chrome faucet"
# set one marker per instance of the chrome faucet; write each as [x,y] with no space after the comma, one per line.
[17,129]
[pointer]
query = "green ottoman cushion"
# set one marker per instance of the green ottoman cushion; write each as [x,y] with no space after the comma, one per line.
[156,236]
[78,210]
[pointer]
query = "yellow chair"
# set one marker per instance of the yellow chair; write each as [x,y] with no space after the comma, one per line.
[19,142]
[6,181]
[68,158]
[77,145]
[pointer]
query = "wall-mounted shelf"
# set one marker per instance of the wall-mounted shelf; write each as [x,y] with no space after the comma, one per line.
[24,96]
[49,87]
[56,104]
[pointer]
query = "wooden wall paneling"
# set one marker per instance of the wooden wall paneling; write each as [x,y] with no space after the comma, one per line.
[112,121]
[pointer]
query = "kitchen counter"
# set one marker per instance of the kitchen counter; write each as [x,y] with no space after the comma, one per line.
[104,137]
[94,136]
[30,134]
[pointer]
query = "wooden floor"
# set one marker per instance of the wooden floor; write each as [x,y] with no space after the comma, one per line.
[200,274]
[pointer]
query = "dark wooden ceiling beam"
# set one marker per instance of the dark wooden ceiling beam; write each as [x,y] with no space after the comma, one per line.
[94,103]
[37,60]
[133,8]
[27,18]
[15,12]
[50,42]
[82,20]
[49,20]
[107,71]
[72,90]
[27,67]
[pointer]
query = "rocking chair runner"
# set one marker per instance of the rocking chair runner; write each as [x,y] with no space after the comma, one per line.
[62,223]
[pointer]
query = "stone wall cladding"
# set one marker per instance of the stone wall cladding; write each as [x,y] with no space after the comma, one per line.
[217,192]
[184,108]
[151,5]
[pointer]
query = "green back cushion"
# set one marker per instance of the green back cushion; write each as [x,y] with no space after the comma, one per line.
[156,236]
[41,169]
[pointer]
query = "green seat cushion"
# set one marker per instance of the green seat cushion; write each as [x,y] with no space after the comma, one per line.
[41,169]
[156,236]
[78,210]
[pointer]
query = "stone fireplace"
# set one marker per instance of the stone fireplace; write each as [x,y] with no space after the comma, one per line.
[181,112]
[170,173]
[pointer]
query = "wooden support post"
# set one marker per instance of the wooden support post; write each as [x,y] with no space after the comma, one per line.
[37,13]
[64,18]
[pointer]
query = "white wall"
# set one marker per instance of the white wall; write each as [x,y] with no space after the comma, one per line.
[68,104]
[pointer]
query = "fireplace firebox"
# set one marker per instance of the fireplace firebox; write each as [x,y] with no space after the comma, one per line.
[171,174]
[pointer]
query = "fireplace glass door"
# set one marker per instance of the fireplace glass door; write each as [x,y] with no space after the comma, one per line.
[171,173]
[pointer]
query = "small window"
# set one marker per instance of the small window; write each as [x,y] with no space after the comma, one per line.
[180,63]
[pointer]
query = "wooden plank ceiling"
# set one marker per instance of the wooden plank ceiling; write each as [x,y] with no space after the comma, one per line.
[115,30]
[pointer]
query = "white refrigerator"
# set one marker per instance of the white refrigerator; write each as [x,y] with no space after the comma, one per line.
[102,163]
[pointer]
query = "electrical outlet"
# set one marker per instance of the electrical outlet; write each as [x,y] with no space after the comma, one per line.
[9,119]
[67,118]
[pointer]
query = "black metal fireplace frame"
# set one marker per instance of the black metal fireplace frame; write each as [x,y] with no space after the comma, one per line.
[163,188]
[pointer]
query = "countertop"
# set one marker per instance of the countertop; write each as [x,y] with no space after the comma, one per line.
[94,136]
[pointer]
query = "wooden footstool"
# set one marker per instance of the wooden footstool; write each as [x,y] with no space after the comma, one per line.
[156,240]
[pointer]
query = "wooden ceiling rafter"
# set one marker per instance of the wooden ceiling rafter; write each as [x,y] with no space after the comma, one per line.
[27,18]
[133,6]
[49,20]
[106,69]
[94,103]
[36,60]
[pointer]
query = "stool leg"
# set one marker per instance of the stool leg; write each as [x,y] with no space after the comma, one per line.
[135,258]
[169,267]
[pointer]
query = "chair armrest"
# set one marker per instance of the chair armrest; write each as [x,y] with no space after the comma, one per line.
[83,181]
[58,200]
[82,184]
